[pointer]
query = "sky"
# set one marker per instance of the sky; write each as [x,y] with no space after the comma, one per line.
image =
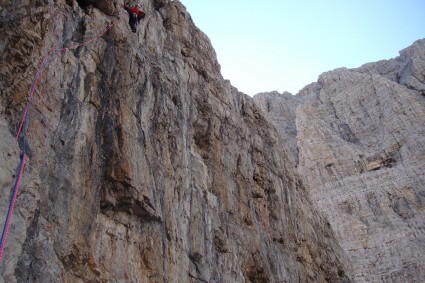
[284,45]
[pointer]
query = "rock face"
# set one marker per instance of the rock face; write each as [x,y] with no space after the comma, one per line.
[145,165]
[358,140]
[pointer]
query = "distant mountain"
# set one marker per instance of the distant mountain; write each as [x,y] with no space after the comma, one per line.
[358,140]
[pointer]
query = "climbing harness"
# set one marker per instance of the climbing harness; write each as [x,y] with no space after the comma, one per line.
[45,62]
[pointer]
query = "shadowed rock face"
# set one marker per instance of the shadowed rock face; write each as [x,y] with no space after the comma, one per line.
[144,164]
[360,145]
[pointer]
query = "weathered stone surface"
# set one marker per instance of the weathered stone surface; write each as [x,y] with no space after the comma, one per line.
[281,109]
[360,138]
[145,165]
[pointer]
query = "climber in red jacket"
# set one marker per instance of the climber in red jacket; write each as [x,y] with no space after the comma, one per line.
[134,16]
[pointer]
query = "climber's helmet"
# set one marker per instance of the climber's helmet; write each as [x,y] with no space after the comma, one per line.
[138,5]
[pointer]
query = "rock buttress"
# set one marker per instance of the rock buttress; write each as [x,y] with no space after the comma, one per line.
[145,164]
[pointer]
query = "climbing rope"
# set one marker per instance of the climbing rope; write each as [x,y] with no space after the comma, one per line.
[14,193]
[45,62]
[53,52]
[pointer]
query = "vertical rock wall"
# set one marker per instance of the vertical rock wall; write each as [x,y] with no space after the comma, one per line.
[144,164]
[360,143]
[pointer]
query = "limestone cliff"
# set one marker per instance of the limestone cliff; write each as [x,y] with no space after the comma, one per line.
[358,139]
[144,164]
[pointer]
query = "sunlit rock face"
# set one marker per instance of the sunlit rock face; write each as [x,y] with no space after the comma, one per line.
[144,164]
[358,139]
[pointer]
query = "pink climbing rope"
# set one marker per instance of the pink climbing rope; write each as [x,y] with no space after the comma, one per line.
[11,208]
[40,69]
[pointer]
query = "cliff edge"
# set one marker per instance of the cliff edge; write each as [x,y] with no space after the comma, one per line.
[142,163]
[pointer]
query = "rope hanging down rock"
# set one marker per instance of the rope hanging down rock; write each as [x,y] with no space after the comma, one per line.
[45,62]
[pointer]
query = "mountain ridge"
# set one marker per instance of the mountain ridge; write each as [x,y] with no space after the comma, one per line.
[145,165]
[357,138]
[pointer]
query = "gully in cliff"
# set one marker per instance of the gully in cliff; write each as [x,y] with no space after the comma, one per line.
[134,16]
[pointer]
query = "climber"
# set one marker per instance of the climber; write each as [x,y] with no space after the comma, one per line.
[134,16]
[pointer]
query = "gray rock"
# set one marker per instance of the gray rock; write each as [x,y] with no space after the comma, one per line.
[146,165]
[361,146]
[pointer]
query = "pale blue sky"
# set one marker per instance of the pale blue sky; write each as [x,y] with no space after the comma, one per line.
[284,45]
